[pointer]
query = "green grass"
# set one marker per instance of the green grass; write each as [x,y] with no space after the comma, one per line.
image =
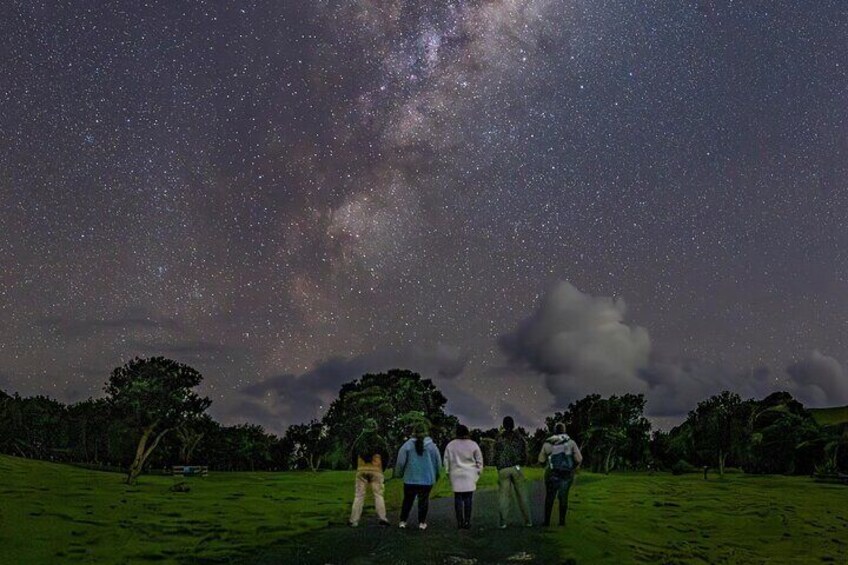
[741,519]
[55,513]
[830,416]
[50,512]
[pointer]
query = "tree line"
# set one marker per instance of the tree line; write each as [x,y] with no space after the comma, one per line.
[151,418]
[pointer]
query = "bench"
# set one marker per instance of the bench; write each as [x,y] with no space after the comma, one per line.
[190,470]
[840,478]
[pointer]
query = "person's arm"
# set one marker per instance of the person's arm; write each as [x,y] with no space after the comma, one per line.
[436,458]
[575,452]
[543,454]
[478,458]
[446,463]
[400,465]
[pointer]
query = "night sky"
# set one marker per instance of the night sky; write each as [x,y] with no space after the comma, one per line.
[285,195]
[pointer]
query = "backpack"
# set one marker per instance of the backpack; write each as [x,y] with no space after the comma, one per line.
[561,459]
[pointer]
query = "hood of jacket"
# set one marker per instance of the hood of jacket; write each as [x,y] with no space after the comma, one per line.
[558,439]
[411,441]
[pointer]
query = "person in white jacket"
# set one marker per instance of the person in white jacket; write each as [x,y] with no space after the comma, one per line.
[463,464]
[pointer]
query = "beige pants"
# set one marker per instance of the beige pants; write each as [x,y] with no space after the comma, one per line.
[363,479]
[511,480]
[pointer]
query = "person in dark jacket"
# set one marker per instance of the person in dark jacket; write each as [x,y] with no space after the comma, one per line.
[370,454]
[509,456]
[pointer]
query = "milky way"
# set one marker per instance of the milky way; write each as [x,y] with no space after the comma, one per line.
[288,194]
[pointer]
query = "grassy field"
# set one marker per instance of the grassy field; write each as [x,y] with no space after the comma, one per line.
[741,519]
[54,513]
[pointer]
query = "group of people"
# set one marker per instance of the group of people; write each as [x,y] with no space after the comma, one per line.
[420,465]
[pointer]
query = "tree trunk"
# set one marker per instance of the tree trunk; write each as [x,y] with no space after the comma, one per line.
[138,461]
[142,453]
[607,460]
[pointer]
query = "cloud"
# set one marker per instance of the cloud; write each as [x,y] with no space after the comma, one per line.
[676,387]
[818,381]
[291,398]
[581,344]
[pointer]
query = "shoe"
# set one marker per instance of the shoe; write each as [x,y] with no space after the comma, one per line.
[422,526]
[402,525]
[528,525]
[352,524]
[502,526]
[467,525]
[385,523]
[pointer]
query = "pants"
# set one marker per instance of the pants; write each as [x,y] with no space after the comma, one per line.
[363,480]
[410,493]
[512,479]
[557,485]
[462,506]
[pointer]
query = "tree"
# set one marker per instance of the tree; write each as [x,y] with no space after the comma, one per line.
[720,426]
[190,433]
[308,443]
[153,396]
[608,430]
[394,399]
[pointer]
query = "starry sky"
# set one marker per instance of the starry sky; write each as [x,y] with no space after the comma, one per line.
[526,200]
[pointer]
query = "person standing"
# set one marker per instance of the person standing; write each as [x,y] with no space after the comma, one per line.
[561,457]
[419,464]
[370,454]
[463,464]
[510,455]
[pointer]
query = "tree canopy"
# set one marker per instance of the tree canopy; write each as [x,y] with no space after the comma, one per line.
[153,397]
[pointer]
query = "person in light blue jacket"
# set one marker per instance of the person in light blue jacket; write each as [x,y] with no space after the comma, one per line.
[419,464]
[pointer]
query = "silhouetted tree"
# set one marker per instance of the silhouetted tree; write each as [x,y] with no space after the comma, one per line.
[394,399]
[720,426]
[153,396]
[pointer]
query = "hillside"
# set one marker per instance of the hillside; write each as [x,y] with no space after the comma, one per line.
[830,416]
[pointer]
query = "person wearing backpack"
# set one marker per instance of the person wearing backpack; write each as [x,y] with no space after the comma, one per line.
[510,454]
[561,457]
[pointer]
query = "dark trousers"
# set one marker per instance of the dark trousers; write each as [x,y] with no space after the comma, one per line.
[557,485]
[410,493]
[462,506]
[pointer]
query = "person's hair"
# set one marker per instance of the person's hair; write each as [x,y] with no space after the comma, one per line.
[559,428]
[419,432]
[462,432]
[369,442]
[508,423]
